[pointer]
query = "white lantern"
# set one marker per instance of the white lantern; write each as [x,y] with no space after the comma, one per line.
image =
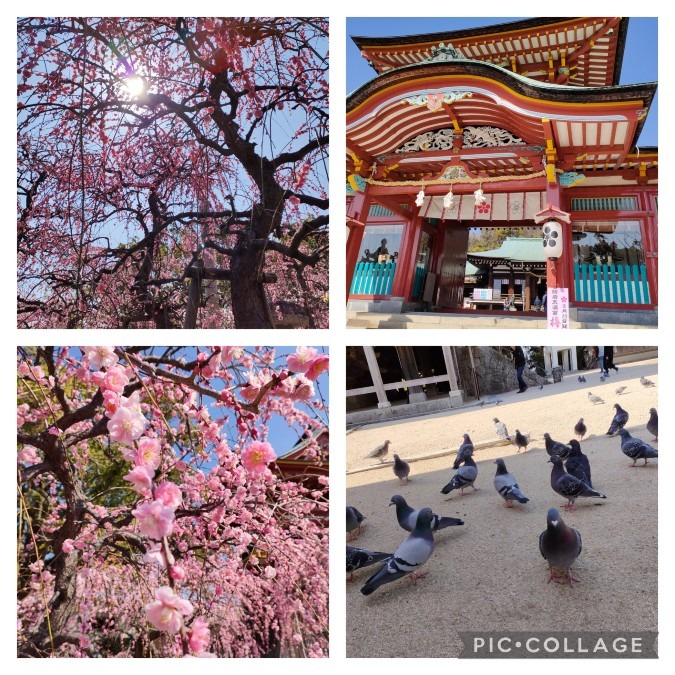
[448,200]
[552,233]
[419,200]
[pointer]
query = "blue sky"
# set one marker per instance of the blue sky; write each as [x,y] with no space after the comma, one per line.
[640,63]
[282,435]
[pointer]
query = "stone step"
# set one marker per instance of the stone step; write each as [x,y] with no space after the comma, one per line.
[426,320]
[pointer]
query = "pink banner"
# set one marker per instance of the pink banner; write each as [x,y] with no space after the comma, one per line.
[558,308]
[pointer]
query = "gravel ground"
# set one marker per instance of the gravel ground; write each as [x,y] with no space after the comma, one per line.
[488,574]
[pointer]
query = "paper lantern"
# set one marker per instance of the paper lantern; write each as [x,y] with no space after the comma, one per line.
[552,233]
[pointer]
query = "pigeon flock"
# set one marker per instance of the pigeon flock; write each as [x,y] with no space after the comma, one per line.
[570,477]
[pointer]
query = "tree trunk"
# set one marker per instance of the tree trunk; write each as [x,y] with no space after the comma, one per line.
[249,303]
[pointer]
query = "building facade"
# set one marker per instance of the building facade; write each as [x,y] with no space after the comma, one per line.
[516,126]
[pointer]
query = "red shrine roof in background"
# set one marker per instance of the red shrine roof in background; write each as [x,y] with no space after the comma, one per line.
[578,51]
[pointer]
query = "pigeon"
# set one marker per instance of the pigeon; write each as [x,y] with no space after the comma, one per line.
[415,550]
[646,382]
[465,476]
[360,557]
[569,486]
[618,421]
[619,390]
[521,441]
[354,520]
[581,378]
[602,378]
[465,450]
[401,469]
[380,452]
[636,448]
[506,485]
[407,516]
[653,424]
[555,447]
[580,429]
[594,399]
[501,430]
[560,546]
[577,464]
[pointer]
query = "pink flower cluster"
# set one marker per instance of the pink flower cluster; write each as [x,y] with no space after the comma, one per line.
[308,361]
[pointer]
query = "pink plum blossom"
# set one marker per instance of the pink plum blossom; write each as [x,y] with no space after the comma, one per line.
[317,366]
[256,456]
[169,494]
[301,359]
[148,452]
[177,573]
[199,635]
[154,519]
[126,425]
[101,357]
[67,546]
[167,611]
[141,477]
[115,379]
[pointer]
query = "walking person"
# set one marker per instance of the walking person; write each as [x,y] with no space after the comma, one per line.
[519,362]
[601,360]
[608,360]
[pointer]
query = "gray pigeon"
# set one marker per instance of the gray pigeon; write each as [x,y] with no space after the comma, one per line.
[407,516]
[646,382]
[360,557]
[577,464]
[560,546]
[569,486]
[506,485]
[602,378]
[521,441]
[653,424]
[380,452]
[555,447]
[415,550]
[619,390]
[595,399]
[636,448]
[501,430]
[465,477]
[618,421]
[580,429]
[401,469]
[465,450]
[354,520]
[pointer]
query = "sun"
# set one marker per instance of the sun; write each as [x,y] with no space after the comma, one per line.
[135,85]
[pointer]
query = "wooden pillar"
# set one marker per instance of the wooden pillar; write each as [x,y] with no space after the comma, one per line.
[558,271]
[355,237]
[409,366]
[407,257]
[450,368]
[374,370]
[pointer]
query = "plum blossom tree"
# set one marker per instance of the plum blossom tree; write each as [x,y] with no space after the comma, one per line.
[153,521]
[172,172]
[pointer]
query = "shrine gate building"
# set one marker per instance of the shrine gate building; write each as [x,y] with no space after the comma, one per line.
[518,125]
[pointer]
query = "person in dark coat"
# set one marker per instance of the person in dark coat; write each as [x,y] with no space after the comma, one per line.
[519,362]
[608,360]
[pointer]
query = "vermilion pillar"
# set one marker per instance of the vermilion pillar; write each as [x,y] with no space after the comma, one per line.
[355,222]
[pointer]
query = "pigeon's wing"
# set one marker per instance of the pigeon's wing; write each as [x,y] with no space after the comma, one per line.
[359,557]
[409,557]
